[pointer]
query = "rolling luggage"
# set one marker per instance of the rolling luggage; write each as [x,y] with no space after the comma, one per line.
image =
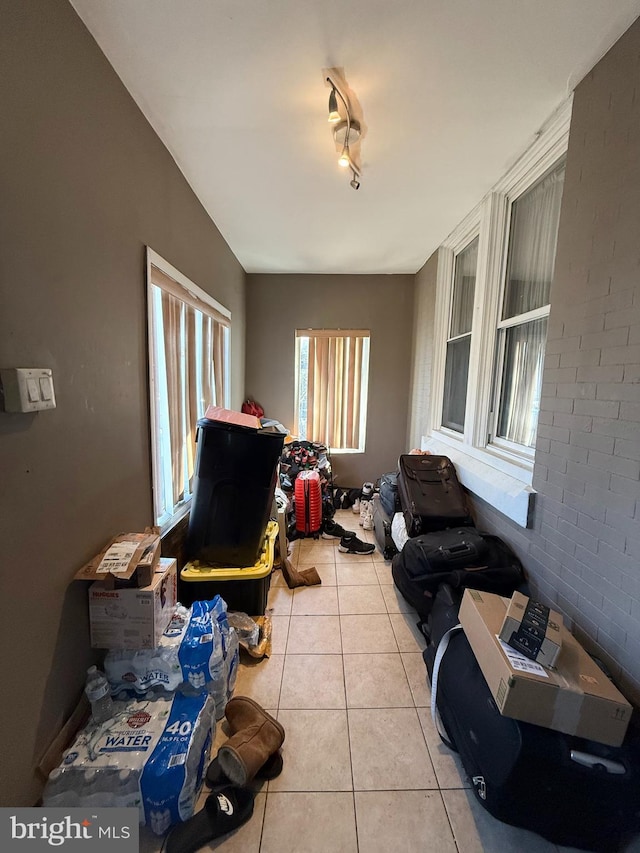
[308,499]
[573,792]
[382,529]
[430,494]
[461,557]
[389,497]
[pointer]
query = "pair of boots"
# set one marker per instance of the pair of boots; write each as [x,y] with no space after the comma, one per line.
[253,748]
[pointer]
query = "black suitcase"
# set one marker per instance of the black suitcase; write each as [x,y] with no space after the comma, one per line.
[573,792]
[461,557]
[382,529]
[430,494]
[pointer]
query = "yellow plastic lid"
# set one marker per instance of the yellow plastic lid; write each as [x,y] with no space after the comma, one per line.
[197,571]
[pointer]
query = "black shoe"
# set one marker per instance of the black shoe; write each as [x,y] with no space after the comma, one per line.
[352,545]
[332,530]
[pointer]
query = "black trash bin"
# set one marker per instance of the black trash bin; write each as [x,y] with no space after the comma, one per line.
[234,482]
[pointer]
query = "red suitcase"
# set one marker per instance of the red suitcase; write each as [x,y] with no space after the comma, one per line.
[308,498]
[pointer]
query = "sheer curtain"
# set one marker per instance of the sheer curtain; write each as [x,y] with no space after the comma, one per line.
[333,385]
[524,359]
[532,249]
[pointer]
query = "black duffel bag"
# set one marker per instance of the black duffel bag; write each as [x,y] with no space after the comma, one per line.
[461,557]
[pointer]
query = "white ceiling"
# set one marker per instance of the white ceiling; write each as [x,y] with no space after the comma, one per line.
[451,92]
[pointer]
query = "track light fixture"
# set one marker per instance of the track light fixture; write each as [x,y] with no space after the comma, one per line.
[346,131]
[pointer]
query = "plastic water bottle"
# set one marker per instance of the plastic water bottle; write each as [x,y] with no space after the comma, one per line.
[60,791]
[97,690]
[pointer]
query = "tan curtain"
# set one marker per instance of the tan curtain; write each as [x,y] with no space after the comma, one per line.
[208,394]
[171,319]
[334,387]
[193,319]
[219,366]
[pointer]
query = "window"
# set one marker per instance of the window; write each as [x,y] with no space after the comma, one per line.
[332,370]
[189,339]
[492,306]
[459,340]
[522,331]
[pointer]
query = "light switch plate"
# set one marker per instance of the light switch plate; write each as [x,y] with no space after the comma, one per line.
[27,389]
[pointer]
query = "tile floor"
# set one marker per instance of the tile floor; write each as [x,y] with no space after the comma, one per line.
[364,769]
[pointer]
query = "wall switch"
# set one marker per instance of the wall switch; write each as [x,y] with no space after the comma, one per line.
[27,389]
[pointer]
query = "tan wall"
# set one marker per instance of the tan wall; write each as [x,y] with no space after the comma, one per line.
[422,350]
[85,184]
[277,305]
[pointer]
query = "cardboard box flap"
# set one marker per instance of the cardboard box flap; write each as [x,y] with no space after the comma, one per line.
[229,416]
[127,557]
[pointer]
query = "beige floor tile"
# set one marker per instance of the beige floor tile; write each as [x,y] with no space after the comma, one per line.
[360,600]
[409,637]
[388,751]
[476,831]
[395,602]
[312,681]
[367,634]
[315,752]
[279,601]
[279,633]
[277,579]
[416,672]
[319,635]
[376,681]
[449,770]
[383,571]
[354,574]
[402,821]
[327,571]
[315,601]
[378,556]
[316,551]
[261,680]
[309,823]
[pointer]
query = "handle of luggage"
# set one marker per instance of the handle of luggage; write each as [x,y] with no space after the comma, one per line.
[435,716]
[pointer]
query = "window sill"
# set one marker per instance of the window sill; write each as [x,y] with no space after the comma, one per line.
[509,491]
[168,525]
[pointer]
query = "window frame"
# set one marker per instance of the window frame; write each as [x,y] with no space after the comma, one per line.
[490,461]
[202,300]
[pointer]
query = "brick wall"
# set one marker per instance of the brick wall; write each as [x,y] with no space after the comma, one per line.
[583,552]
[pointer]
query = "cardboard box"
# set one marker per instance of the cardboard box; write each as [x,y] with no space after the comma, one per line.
[577,698]
[130,559]
[133,618]
[532,629]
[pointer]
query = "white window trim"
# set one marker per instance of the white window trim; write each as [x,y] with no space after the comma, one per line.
[497,472]
[156,260]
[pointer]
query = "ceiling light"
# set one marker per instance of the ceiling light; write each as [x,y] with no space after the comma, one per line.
[346,131]
[344,159]
[334,115]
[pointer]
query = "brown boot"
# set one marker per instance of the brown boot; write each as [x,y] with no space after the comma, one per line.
[255,736]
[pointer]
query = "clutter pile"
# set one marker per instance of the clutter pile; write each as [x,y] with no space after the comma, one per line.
[170,672]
